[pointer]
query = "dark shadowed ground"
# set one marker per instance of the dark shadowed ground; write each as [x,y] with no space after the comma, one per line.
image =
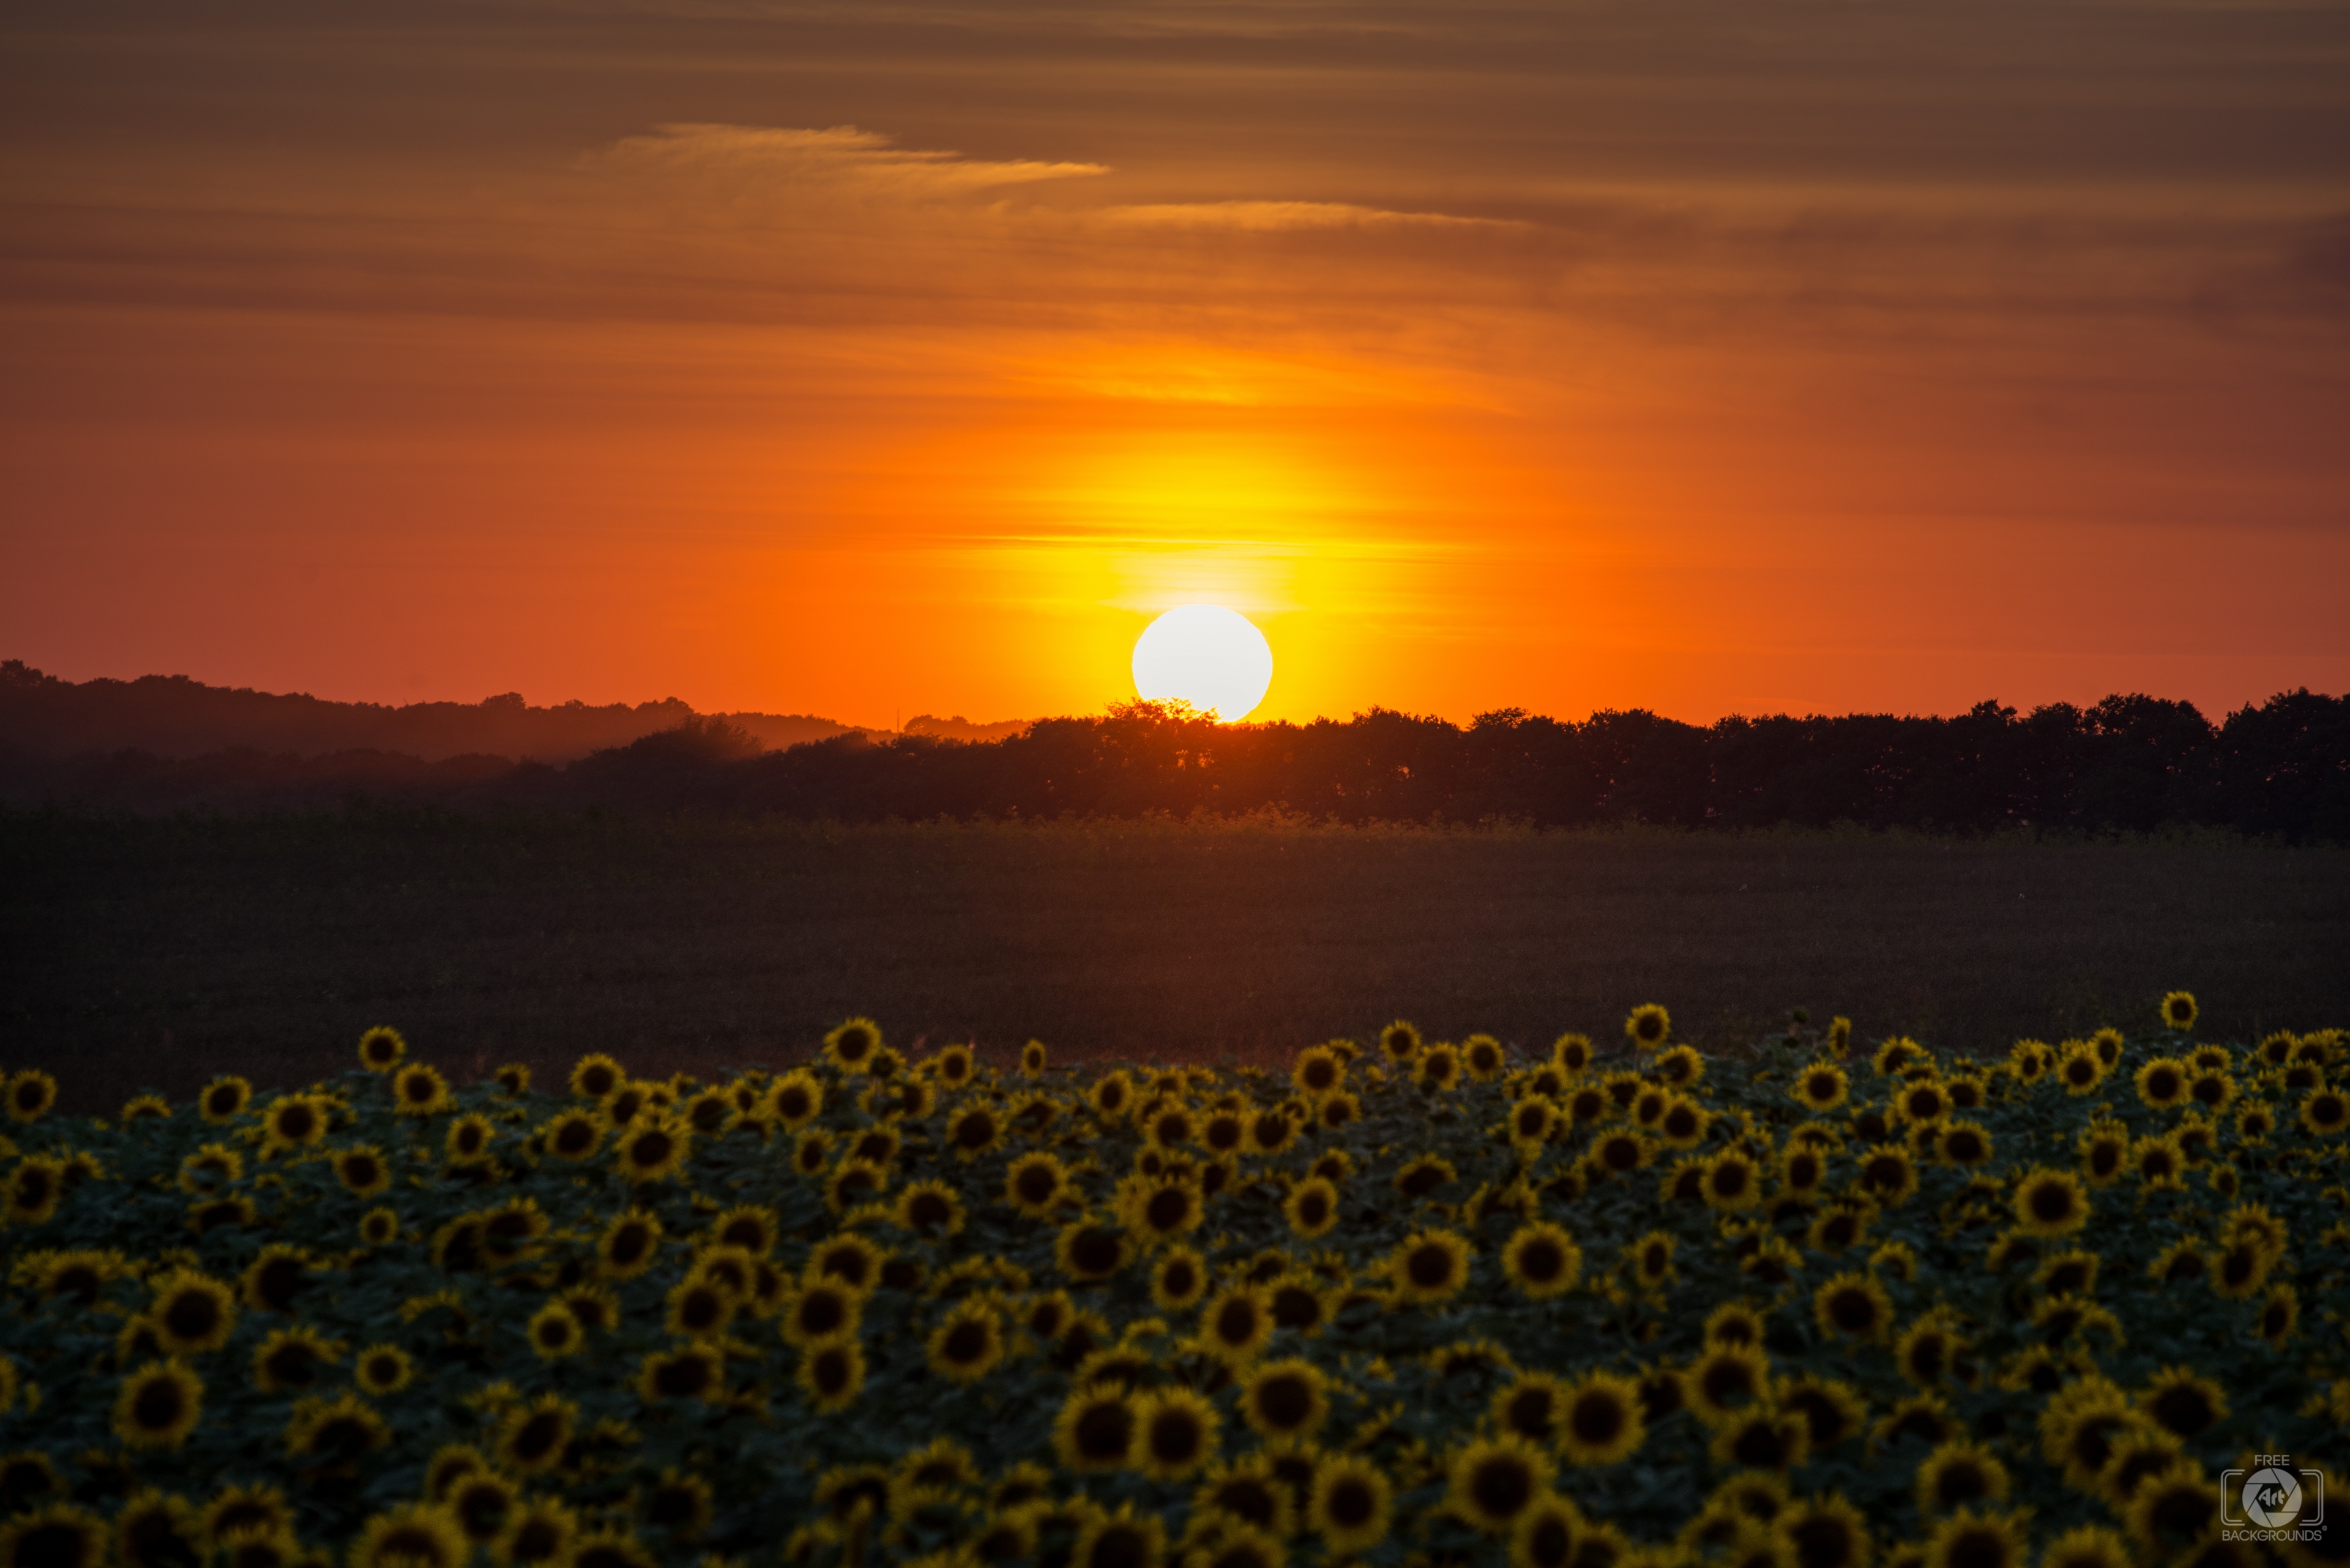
[160,953]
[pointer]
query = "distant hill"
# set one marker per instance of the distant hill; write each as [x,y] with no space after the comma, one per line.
[172,716]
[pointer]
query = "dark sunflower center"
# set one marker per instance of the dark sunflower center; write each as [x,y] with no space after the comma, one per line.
[1597,1419]
[1105,1432]
[1502,1487]
[159,1405]
[967,1342]
[1286,1402]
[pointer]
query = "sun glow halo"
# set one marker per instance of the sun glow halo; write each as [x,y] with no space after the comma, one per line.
[1214,658]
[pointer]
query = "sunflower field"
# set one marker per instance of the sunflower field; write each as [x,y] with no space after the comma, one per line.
[1408,1303]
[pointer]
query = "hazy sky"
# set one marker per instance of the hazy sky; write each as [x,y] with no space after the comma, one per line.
[1702,354]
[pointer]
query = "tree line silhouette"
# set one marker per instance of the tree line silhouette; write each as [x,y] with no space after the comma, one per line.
[2128,764]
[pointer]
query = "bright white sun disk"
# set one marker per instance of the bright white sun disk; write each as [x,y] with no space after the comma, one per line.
[1205,655]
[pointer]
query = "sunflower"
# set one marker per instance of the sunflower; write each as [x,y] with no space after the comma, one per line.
[833,1375]
[1236,1322]
[2162,1083]
[224,1098]
[1285,1399]
[1853,1306]
[1929,1352]
[1430,1267]
[2160,1162]
[2178,1011]
[362,1170]
[1622,1152]
[292,1358]
[968,1341]
[929,1208]
[1095,1430]
[1086,1250]
[2324,1112]
[1651,1259]
[824,1309]
[853,1046]
[1570,1054]
[338,1431]
[1350,1504]
[692,1371]
[1175,1434]
[1725,1379]
[1964,1144]
[154,1528]
[1828,1531]
[191,1314]
[1033,1183]
[1494,1480]
[1763,1437]
[1159,1211]
[1833,1411]
[1531,1407]
[1888,1174]
[1820,1087]
[2080,1069]
[30,1094]
[420,1090]
[1600,1419]
[1318,1070]
[2051,1202]
[468,1139]
[1958,1474]
[2173,1507]
[383,1369]
[2104,1153]
[1647,1025]
[532,1438]
[1121,1540]
[1112,1095]
[412,1535]
[1900,1054]
[241,1507]
[1312,1208]
[146,1107]
[654,1152]
[57,1535]
[157,1406]
[1178,1280]
[1439,1067]
[1732,1179]
[277,1277]
[379,1227]
[1541,1261]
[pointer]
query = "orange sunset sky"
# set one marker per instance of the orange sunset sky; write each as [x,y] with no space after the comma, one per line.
[1708,356]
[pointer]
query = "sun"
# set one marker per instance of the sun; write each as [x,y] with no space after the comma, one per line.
[1212,658]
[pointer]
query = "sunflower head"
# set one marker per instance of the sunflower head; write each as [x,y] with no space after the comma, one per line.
[30,1094]
[2178,1011]
[2051,1202]
[419,1090]
[1496,1481]
[853,1044]
[382,1049]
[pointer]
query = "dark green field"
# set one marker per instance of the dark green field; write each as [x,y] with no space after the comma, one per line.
[156,952]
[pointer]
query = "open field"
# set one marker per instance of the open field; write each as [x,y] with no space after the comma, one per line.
[148,952]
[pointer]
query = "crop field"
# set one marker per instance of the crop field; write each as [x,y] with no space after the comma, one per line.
[149,954]
[1399,1302]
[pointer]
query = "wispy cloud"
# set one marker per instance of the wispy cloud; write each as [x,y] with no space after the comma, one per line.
[838,155]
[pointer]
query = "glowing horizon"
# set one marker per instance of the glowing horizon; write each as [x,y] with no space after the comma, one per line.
[915,362]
